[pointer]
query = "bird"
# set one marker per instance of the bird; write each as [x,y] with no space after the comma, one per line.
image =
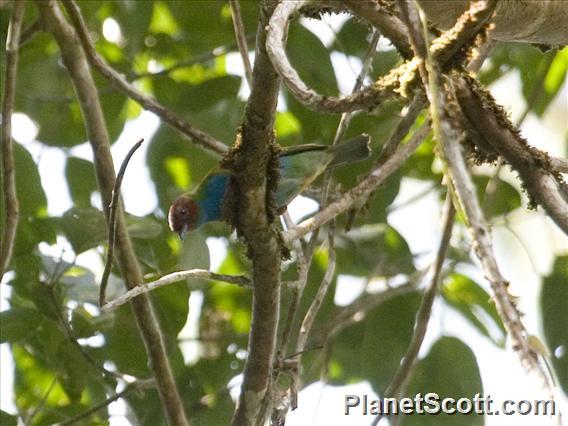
[299,167]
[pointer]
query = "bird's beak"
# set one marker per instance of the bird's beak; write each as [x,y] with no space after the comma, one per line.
[182,233]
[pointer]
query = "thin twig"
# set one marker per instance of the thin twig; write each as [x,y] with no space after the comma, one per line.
[345,120]
[240,36]
[28,420]
[113,208]
[412,112]
[79,70]
[530,163]
[30,31]
[385,21]
[407,366]
[137,385]
[315,306]
[368,98]
[11,209]
[464,188]
[177,122]
[175,277]
[326,184]
[73,339]
[197,59]
[356,311]
[559,164]
[303,268]
[359,193]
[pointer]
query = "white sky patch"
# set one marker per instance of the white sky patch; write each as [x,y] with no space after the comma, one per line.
[190,331]
[325,28]
[111,31]
[137,187]
[419,221]
[348,288]
[300,207]
[24,130]
[51,165]
[347,68]
[217,251]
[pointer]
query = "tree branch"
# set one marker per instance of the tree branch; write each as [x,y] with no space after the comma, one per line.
[366,99]
[315,306]
[79,72]
[389,25]
[531,21]
[119,81]
[254,161]
[356,311]
[113,207]
[359,193]
[532,165]
[406,367]
[464,188]
[134,386]
[241,39]
[12,208]
[175,277]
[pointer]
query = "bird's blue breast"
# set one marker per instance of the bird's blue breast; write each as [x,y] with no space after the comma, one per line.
[212,194]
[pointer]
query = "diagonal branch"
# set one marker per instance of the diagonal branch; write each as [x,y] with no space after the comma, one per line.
[368,98]
[359,193]
[464,188]
[408,363]
[388,24]
[175,277]
[241,38]
[12,209]
[113,208]
[119,81]
[533,166]
[78,68]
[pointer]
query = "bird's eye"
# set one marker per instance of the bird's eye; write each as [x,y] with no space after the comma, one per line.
[183,211]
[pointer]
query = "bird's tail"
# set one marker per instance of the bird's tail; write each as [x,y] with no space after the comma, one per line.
[352,151]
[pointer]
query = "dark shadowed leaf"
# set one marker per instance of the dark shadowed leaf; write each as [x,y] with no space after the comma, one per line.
[372,349]
[554,311]
[476,305]
[450,371]
[80,175]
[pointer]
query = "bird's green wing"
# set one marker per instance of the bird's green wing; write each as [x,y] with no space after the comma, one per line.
[298,170]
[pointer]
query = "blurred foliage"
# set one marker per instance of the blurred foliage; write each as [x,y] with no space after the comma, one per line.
[554,309]
[170,50]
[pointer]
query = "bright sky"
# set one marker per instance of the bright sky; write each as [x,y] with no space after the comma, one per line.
[503,377]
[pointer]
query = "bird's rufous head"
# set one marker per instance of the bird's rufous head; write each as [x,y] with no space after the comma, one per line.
[183,215]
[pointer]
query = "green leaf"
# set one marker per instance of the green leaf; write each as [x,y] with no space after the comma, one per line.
[352,38]
[503,200]
[378,248]
[123,343]
[80,176]
[476,305]
[451,371]
[18,323]
[184,97]
[315,67]
[372,348]
[554,311]
[85,228]
[29,191]
[173,160]
[539,89]
[8,419]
